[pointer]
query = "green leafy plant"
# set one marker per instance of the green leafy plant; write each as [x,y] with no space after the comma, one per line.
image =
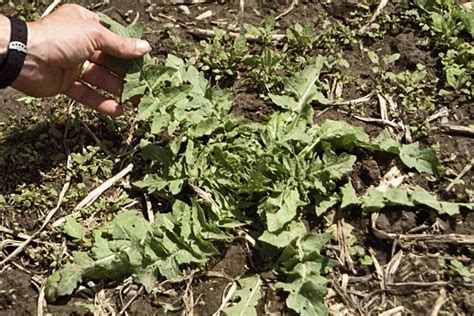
[222,56]
[452,27]
[385,22]
[366,260]
[458,68]
[415,90]
[263,33]
[303,266]
[89,162]
[304,38]
[457,268]
[329,37]
[129,245]
[381,69]
[27,11]
[442,17]
[180,47]
[29,196]
[266,67]
[248,296]
[225,176]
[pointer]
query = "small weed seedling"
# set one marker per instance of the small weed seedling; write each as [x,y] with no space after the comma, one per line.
[222,56]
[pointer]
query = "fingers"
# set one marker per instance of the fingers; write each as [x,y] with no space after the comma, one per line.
[99,77]
[106,61]
[103,79]
[87,96]
[121,47]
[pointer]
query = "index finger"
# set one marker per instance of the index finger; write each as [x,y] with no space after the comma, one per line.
[119,46]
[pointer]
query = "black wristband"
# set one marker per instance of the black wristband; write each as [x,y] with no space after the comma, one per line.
[16,53]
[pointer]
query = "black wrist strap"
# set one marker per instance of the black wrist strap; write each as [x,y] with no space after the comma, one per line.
[16,53]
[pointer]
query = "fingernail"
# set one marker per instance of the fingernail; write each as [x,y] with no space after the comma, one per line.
[143,46]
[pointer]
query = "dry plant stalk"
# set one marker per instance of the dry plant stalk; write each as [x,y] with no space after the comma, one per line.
[463,172]
[50,8]
[360,100]
[97,192]
[377,12]
[199,32]
[439,302]
[458,130]
[426,238]
[287,11]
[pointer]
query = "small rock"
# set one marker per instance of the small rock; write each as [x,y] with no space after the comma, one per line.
[184,9]
[204,15]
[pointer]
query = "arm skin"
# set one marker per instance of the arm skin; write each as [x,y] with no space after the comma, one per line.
[59,44]
[4,34]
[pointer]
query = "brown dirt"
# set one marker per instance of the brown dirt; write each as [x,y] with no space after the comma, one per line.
[17,296]
[397,221]
[456,152]
[10,105]
[251,107]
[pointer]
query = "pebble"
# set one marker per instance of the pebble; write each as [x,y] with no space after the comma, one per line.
[150,8]
[204,15]
[184,9]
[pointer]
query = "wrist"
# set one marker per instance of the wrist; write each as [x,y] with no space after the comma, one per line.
[38,77]
[37,46]
[17,50]
[31,67]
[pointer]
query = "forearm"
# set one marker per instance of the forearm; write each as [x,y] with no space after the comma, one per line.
[4,34]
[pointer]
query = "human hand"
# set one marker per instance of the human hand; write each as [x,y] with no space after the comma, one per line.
[59,44]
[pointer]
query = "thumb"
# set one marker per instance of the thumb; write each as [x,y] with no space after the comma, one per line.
[121,47]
